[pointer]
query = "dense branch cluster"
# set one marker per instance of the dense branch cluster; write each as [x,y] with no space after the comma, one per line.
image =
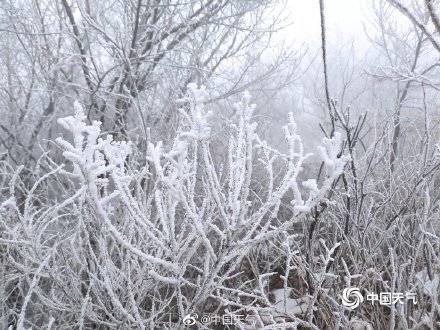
[102,241]
[142,188]
[135,247]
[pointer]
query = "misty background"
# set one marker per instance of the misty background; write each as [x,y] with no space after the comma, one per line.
[161,160]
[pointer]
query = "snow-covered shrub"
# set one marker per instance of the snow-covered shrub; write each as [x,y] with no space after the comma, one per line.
[98,240]
[127,247]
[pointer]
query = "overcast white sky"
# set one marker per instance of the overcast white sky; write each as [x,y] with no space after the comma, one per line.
[344,20]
